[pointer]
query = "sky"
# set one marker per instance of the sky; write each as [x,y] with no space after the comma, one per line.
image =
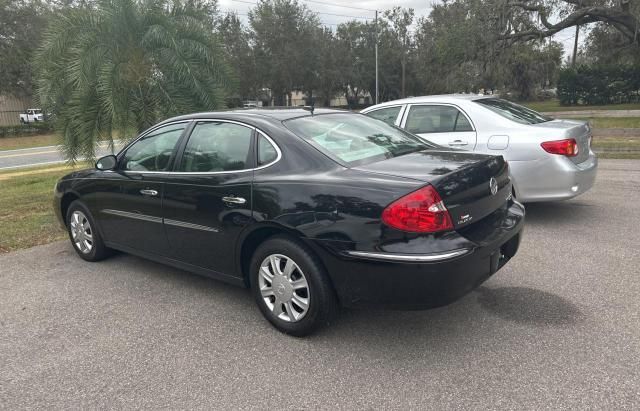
[334,12]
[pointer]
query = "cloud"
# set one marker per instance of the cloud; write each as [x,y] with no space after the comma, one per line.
[339,11]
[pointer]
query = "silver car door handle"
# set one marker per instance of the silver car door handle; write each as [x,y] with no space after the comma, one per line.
[458,143]
[234,200]
[149,192]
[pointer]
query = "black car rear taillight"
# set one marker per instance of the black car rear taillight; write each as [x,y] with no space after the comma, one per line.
[421,211]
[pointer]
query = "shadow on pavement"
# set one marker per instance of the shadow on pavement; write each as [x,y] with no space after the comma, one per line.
[438,328]
[529,306]
[559,212]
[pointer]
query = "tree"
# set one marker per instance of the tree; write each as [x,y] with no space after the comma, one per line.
[21,24]
[282,33]
[606,45]
[240,55]
[530,67]
[107,69]
[529,19]
[400,19]
[330,66]
[355,46]
[458,49]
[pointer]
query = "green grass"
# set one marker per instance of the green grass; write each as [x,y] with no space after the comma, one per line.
[554,105]
[615,122]
[617,147]
[26,208]
[12,143]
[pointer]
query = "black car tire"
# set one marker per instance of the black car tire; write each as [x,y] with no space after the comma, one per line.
[98,250]
[323,303]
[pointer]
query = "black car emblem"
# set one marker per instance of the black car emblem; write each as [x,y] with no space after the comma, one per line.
[493,186]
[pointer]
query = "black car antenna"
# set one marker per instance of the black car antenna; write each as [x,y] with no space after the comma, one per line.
[309,108]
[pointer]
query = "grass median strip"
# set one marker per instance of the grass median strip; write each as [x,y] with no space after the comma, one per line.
[14,143]
[554,105]
[26,212]
[615,122]
[617,147]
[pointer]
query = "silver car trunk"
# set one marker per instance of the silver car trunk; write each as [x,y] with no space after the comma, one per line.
[577,129]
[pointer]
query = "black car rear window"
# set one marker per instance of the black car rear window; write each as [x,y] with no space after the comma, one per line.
[355,139]
[513,111]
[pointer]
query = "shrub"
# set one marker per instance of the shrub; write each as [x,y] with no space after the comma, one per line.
[599,85]
[30,129]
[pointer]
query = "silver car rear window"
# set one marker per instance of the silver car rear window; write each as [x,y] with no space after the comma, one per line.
[513,111]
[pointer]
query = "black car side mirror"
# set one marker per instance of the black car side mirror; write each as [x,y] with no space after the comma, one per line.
[107,163]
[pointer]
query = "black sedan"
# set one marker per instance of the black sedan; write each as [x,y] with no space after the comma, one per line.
[309,210]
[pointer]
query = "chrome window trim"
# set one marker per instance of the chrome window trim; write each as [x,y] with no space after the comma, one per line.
[407,110]
[208,120]
[184,224]
[161,220]
[411,258]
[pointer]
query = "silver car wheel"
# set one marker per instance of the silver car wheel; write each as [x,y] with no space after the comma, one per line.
[81,232]
[284,288]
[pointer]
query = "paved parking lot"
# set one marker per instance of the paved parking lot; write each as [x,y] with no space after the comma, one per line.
[558,327]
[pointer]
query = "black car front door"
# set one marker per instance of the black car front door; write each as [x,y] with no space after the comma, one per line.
[207,199]
[132,217]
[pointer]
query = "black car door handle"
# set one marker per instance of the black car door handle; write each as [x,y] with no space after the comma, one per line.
[234,200]
[149,192]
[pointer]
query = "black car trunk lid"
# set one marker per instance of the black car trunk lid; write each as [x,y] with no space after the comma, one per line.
[471,186]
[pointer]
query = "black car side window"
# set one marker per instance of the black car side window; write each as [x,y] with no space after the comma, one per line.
[266,151]
[153,152]
[217,146]
[436,119]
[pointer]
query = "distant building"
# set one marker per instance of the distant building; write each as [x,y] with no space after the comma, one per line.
[298,98]
[10,109]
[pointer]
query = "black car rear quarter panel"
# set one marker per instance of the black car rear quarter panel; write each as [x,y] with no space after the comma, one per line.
[362,282]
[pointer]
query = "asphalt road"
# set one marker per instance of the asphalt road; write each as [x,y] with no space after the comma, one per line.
[37,156]
[558,327]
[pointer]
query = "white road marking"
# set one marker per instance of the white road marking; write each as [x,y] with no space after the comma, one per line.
[34,164]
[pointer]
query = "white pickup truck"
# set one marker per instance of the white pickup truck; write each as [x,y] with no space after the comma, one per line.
[31,115]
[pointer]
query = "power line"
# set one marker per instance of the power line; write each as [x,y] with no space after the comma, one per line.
[247,15]
[343,15]
[338,5]
[314,11]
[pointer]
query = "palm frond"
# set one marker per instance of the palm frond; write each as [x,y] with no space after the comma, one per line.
[125,64]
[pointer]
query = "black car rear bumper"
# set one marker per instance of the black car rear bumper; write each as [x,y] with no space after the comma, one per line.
[419,281]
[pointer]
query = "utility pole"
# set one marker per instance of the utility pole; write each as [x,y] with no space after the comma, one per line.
[575,46]
[377,57]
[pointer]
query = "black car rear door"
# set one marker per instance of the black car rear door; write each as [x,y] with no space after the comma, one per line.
[207,197]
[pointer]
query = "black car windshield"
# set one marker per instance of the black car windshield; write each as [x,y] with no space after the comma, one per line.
[512,111]
[355,139]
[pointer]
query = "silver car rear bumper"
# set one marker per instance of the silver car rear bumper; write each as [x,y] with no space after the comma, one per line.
[552,178]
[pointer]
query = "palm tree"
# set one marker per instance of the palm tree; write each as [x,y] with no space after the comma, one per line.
[118,66]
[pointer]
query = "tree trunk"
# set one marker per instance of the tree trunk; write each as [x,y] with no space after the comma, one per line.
[404,65]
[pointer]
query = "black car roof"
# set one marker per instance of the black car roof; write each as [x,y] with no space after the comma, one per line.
[278,114]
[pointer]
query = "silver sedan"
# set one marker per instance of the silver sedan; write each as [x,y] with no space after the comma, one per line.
[549,159]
